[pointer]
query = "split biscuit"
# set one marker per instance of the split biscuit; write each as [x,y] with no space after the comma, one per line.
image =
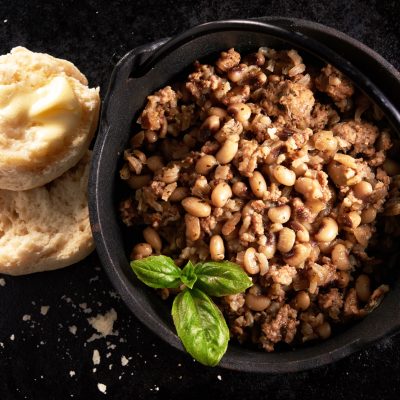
[48,116]
[46,228]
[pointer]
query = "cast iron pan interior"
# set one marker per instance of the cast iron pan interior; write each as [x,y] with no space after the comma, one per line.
[146,69]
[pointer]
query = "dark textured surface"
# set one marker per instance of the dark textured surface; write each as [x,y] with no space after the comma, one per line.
[38,355]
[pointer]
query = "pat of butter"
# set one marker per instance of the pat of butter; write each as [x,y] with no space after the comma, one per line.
[51,112]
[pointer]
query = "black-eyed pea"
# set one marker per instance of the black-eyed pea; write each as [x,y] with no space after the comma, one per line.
[309,188]
[240,111]
[325,247]
[151,136]
[218,111]
[140,155]
[250,261]
[237,73]
[179,194]
[217,248]
[141,250]
[328,230]
[315,206]
[221,194]
[338,173]
[274,78]
[262,263]
[286,240]
[346,160]
[362,190]
[211,123]
[368,215]
[340,257]
[343,279]
[302,301]
[362,234]
[155,163]
[280,214]
[193,229]
[268,250]
[227,152]
[257,303]
[239,189]
[355,218]
[302,233]
[298,255]
[275,227]
[152,237]
[170,174]
[137,140]
[284,175]
[325,141]
[258,184]
[205,164]
[324,330]
[300,169]
[138,181]
[222,172]
[196,207]
[363,287]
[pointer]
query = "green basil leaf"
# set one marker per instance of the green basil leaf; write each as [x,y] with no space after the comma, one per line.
[188,275]
[221,278]
[157,272]
[200,326]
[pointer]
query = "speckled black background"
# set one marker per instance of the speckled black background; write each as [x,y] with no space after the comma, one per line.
[38,355]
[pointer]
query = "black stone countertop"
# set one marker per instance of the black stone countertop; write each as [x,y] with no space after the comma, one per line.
[49,356]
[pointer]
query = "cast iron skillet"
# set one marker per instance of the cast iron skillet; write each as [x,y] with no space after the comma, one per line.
[150,67]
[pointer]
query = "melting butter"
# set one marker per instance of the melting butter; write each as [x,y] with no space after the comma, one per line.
[51,112]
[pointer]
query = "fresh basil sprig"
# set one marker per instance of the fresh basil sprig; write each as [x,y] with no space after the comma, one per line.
[198,321]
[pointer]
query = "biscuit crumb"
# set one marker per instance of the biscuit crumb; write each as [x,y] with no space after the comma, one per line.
[103,324]
[124,361]
[73,329]
[44,310]
[102,388]
[96,357]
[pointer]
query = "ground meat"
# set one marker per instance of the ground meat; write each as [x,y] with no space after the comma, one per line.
[228,60]
[331,302]
[163,103]
[359,136]
[323,116]
[290,185]
[334,84]
[292,100]
[281,327]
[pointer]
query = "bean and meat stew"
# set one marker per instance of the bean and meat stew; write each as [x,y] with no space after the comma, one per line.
[281,167]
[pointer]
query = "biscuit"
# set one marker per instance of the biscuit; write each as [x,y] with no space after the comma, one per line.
[46,228]
[48,116]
